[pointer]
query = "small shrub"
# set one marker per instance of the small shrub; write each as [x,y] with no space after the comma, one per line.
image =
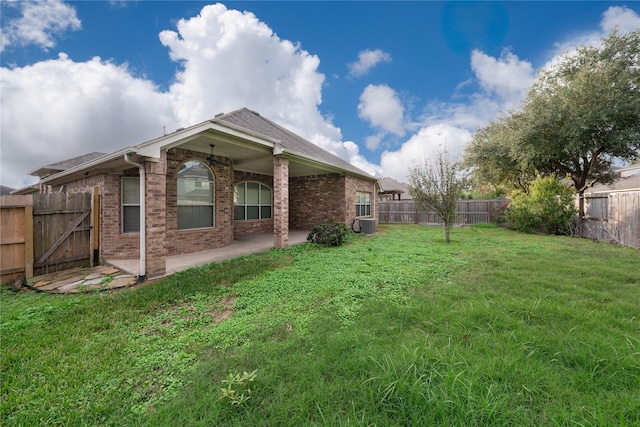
[547,208]
[329,234]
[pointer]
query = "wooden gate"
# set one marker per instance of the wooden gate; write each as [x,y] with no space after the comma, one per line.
[16,242]
[61,231]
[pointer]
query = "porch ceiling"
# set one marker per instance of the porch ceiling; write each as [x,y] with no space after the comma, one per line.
[247,157]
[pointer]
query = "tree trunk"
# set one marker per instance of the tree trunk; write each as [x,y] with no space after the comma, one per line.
[581,205]
[446,232]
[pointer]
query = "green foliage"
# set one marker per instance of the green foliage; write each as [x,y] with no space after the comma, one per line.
[329,234]
[237,389]
[549,207]
[582,113]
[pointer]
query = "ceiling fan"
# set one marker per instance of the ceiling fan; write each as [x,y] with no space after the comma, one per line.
[212,159]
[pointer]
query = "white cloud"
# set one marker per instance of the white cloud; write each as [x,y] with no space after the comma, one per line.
[40,22]
[367,59]
[620,16]
[503,83]
[424,145]
[381,107]
[59,108]
[507,77]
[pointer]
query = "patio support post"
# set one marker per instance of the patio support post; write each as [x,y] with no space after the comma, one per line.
[280,202]
[156,216]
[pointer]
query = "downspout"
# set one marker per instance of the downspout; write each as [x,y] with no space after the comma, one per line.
[142,275]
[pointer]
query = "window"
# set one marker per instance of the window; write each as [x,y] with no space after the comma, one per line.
[363,204]
[130,204]
[252,200]
[196,196]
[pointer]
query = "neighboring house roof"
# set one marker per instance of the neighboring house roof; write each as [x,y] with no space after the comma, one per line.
[629,181]
[63,165]
[243,136]
[391,186]
[5,191]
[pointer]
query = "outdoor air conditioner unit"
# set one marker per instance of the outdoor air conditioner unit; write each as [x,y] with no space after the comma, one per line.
[368,225]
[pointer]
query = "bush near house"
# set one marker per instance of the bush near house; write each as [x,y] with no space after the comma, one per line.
[332,233]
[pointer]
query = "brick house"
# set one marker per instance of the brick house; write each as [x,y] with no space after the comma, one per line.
[200,187]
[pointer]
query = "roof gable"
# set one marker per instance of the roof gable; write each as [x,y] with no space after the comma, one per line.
[254,122]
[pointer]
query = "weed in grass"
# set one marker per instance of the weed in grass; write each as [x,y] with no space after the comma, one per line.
[237,389]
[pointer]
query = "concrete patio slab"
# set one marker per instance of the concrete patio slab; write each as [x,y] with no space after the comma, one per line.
[243,245]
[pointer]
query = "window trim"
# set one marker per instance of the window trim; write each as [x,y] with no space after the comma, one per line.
[366,205]
[260,204]
[213,196]
[124,205]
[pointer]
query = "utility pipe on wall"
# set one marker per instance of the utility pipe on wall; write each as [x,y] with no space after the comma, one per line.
[143,235]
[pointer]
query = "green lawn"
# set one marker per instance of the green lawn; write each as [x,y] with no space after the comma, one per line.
[397,329]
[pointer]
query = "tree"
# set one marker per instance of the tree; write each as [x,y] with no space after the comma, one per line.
[436,187]
[581,116]
[491,157]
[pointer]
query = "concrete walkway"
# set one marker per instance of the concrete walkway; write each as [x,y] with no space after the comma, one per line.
[243,245]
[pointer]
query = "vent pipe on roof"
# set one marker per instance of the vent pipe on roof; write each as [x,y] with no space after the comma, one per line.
[142,275]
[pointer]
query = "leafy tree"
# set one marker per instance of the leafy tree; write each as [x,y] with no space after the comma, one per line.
[581,115]
[491,156]
[436,187]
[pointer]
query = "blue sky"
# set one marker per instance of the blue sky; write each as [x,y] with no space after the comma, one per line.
[381,84]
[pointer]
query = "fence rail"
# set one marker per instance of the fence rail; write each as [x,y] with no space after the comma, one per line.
[467,212]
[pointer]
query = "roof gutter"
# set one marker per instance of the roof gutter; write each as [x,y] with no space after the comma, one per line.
[143,235]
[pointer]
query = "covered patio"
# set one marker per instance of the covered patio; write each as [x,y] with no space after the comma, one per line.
[241,245]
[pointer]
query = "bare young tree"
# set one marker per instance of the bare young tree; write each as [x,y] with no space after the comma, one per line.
[435,187]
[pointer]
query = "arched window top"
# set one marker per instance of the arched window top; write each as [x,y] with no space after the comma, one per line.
[196,195]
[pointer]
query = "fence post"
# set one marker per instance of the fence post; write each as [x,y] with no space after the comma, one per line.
[28,242]
[94,253]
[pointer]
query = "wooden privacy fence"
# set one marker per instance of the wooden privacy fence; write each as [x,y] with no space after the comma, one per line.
[45,233]
[612,217]
[467,212]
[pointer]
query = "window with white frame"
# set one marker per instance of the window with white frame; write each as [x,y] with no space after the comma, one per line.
[130,202]
[196,196]
[363,204]
[252,200]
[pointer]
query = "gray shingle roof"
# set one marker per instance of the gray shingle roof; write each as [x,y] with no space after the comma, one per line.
[254,122]
[65,164]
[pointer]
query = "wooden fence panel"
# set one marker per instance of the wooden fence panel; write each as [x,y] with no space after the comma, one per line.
[613,217]
[62,227]
[467,212]
[16,248]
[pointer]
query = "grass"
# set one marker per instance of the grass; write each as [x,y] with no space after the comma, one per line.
[496,328]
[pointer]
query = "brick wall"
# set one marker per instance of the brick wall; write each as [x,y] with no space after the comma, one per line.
[320,198]
[315,199]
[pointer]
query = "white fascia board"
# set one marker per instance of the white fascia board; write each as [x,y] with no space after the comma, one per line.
[152,148]
[89,165]
[303,158]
